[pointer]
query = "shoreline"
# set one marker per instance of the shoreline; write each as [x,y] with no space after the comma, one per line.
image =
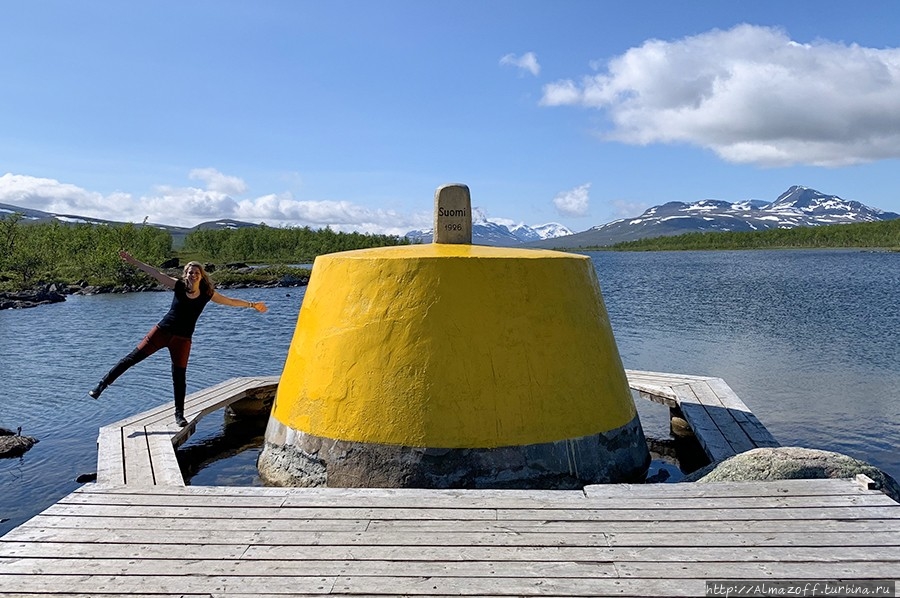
[49,294]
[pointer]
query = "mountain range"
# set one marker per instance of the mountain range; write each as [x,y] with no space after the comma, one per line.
[798,206]
[490,232]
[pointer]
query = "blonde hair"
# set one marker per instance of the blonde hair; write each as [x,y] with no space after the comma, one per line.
[204,277]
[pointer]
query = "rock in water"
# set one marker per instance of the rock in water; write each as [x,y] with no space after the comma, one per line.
[15,445]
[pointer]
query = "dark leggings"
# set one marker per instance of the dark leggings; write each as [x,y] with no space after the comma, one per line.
[179,350]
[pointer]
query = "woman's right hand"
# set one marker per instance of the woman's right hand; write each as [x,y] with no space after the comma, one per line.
[127,257]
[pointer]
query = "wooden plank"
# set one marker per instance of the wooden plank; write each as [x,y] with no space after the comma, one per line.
[137,456]
[801,487]
[415,501]
[657,398]
[482,586]
[272,512]
[306,566]
[535,554]
[856,530]
[675,534]
[352,496]
[697,515]
[171,584]
[230,523]
[444,545]
[656,392]
[298,585]
[110,456]
[794,572]
[75,550]
[166,470]
[865,537]
[69,594]
[708,434]
[754,428]
[138,419]
[666,378]
[815,487]
[723,417]
[439,568]
[239,389]
[199,402]
[162,414]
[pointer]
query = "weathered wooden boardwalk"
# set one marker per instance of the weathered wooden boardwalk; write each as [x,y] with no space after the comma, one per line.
[723,424]
[140,531]
[140,450]
[614,540]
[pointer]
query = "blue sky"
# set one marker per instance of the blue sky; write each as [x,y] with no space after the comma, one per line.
[351,113]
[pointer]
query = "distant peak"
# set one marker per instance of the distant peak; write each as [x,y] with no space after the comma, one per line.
[798,195]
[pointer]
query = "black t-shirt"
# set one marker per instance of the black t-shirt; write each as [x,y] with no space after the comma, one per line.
[184,311]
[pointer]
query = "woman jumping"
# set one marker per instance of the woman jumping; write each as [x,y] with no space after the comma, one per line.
[192,292]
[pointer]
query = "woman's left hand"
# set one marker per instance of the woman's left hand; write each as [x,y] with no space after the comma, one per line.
[260,307]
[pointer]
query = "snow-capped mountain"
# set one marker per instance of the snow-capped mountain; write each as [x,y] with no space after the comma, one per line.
[499,232]
[798,206]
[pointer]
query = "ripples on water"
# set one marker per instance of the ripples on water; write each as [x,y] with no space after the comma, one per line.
[50,356]
[808,339]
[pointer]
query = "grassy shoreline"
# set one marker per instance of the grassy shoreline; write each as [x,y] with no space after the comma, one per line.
[223,277]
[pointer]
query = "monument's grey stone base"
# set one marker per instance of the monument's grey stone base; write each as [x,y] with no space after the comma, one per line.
[293,458]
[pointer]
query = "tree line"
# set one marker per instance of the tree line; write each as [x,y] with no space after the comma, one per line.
[288,245]
[38,253]
[883,234]
[32,254]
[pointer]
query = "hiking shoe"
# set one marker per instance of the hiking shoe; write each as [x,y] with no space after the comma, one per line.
[179,419]
[94,393]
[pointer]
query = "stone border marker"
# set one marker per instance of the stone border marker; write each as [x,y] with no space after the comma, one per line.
[453,215]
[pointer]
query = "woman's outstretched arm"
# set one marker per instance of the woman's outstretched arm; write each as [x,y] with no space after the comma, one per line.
[223,300]
[164,279]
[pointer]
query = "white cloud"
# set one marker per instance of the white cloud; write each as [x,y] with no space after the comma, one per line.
[480,216]
[189,206]
[339,215]
[216,181]
[525,62]
[50,195]
[751,95]
[574,202]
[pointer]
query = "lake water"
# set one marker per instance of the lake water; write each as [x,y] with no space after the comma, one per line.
[810,340]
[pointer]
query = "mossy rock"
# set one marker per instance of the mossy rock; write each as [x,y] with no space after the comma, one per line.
[792,463]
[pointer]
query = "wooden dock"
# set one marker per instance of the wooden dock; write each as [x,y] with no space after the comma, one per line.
[140,531]
[723,424]
[140,450]
[612,540]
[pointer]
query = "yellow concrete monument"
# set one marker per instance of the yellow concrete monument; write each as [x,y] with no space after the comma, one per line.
[453,365]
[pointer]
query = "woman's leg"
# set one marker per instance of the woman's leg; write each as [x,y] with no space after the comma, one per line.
[153,342]
[179,350]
